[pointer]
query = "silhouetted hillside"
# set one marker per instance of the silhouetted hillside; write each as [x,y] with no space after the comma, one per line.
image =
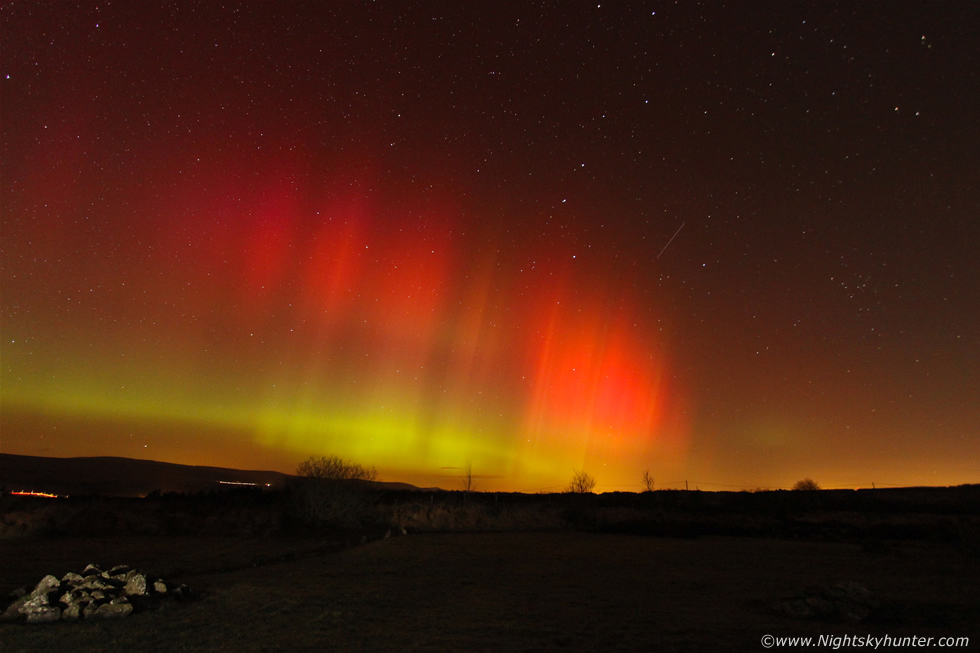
[111,476]
[127,477]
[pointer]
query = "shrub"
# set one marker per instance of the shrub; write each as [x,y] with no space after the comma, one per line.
[334,493]
[806,484]
[335,468]
[581,483]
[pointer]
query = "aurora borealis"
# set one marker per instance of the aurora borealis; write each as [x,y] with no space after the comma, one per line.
[734,245]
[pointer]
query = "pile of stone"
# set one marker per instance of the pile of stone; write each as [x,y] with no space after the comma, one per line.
[849,602]
[93,594]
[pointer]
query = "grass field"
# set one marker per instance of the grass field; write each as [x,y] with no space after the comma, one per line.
[527,591]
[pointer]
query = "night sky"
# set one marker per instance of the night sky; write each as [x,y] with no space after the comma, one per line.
[734,243]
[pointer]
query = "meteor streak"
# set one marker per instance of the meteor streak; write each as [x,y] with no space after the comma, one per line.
[671,239]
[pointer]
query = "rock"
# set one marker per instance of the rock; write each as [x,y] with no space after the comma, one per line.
[92,594]
[13,611]
[135,584]
[853,613]
[93,583]
[112,610]
[855,593]
[849,602]
[48,584]
[34,602]
[72,613]
[795,608]
[114,581]
[37,608]
[43,614]
[821,606]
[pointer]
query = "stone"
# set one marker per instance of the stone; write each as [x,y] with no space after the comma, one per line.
[856,593]
[72,613]
[13,611]
[834,593]
[48,584]
[848,602]
[38,609]
[93,583]
[821,606]
[135,584]
[35,601]
[113,610]
[795,608]
[93,594]
[852,612]
[114,581]
[43,614]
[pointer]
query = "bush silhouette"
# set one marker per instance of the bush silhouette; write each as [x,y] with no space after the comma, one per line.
[334,493]
[806,484]
[335,468]
[581,483]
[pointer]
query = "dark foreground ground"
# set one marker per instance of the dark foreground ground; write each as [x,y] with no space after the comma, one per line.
[498,592]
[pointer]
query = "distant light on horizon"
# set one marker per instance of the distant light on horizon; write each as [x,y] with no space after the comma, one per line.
[34,493]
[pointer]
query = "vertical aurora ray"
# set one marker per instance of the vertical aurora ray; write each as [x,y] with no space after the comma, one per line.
[313,320]
[598,398]
[245,237]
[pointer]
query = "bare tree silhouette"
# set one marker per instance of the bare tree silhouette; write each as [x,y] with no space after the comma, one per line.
[647,481]
[581,483]
[469,485]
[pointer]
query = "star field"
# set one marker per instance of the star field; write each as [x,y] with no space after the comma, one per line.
[731,244]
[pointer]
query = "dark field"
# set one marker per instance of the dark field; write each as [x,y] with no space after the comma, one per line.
[523,591]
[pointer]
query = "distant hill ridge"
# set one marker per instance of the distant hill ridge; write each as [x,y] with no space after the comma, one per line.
[128,477]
